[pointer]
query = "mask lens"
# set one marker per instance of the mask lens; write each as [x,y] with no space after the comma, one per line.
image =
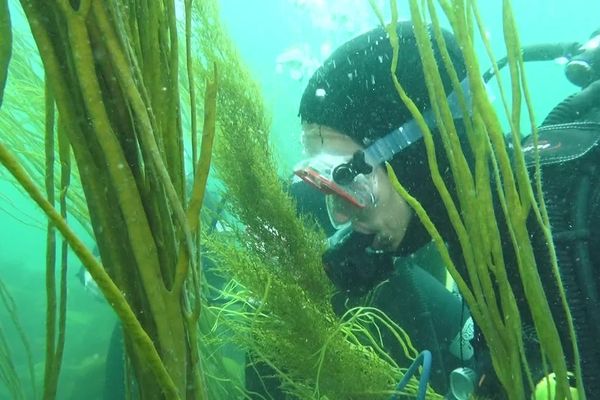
[344,201]
[343,211]
[340,211]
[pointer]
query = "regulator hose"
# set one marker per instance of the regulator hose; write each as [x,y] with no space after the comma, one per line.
[424,358]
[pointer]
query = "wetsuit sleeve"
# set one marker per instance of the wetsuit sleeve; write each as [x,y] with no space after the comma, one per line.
[431,315]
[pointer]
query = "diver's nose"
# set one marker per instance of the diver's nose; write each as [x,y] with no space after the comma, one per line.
[362,227]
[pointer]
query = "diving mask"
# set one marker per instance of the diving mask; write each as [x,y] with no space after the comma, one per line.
[347,198]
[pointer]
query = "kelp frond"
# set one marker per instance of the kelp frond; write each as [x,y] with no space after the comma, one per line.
[486,287]
[283,315]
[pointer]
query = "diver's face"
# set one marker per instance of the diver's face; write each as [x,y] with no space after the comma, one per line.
[389,218]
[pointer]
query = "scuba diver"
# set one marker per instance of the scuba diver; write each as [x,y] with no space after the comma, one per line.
[350,110]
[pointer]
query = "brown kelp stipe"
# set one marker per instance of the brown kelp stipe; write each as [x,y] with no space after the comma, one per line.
[111,71]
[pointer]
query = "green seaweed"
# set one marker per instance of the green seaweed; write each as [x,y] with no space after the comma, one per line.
[493,307]
[113,74]
[121,157]
[280,306]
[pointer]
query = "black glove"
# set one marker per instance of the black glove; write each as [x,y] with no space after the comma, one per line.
[353,266]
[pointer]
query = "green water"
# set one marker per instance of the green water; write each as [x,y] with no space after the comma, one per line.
[263,31]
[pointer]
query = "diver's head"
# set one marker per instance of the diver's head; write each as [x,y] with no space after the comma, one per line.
[348,104]
[369,203]
[353,91]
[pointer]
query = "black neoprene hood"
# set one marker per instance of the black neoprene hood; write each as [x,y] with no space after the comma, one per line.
[353,91]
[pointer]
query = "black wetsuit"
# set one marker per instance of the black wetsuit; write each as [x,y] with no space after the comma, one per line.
[571,180]
[570,155]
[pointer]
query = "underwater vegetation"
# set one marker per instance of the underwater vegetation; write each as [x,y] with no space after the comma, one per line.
[8,372]
[70,71]
[113,124]
[124,85]
[489,294]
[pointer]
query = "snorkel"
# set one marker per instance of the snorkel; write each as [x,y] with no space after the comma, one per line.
[350,179]
[385,148]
